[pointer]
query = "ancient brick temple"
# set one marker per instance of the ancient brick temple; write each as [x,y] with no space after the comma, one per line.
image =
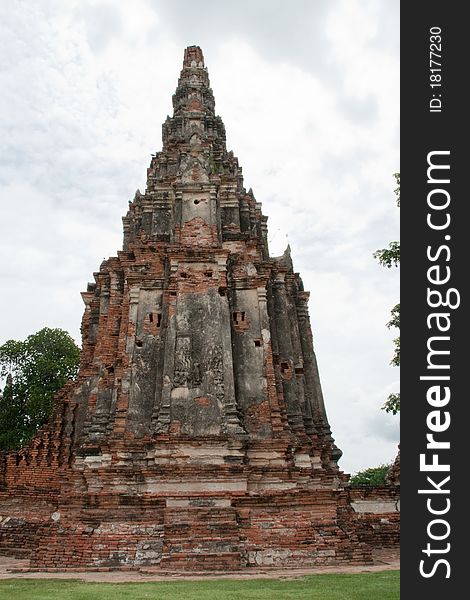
[195,435]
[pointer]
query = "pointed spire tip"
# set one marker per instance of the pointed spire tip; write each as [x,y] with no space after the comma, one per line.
[193,57]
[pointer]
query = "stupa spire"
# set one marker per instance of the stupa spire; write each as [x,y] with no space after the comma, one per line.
[196,423]
[193,97]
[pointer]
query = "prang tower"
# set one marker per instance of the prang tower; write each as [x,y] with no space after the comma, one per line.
[195,435]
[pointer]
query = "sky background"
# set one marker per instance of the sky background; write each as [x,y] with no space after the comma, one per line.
[309,94]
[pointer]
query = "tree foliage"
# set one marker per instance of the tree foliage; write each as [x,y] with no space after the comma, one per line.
[32,371]
[371,477]
[390,257]
[397,189]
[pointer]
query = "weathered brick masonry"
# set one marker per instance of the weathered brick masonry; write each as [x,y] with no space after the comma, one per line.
[377,515]
[195,436]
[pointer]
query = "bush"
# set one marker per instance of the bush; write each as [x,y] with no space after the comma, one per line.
[371,477]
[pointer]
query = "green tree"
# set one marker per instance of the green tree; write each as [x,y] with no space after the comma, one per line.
[32,371]
[390,257]
[372,476]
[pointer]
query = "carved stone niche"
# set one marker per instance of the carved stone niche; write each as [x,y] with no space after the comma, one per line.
[196,205]
[194,171]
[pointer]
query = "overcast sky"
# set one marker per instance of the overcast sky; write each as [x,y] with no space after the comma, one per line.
[309,94]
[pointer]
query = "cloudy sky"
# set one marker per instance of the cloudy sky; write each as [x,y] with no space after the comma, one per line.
[309,95]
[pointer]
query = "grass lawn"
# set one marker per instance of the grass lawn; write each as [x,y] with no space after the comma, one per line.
[363,586]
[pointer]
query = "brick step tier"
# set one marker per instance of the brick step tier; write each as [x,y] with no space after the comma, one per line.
[13,552]
[201,539]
